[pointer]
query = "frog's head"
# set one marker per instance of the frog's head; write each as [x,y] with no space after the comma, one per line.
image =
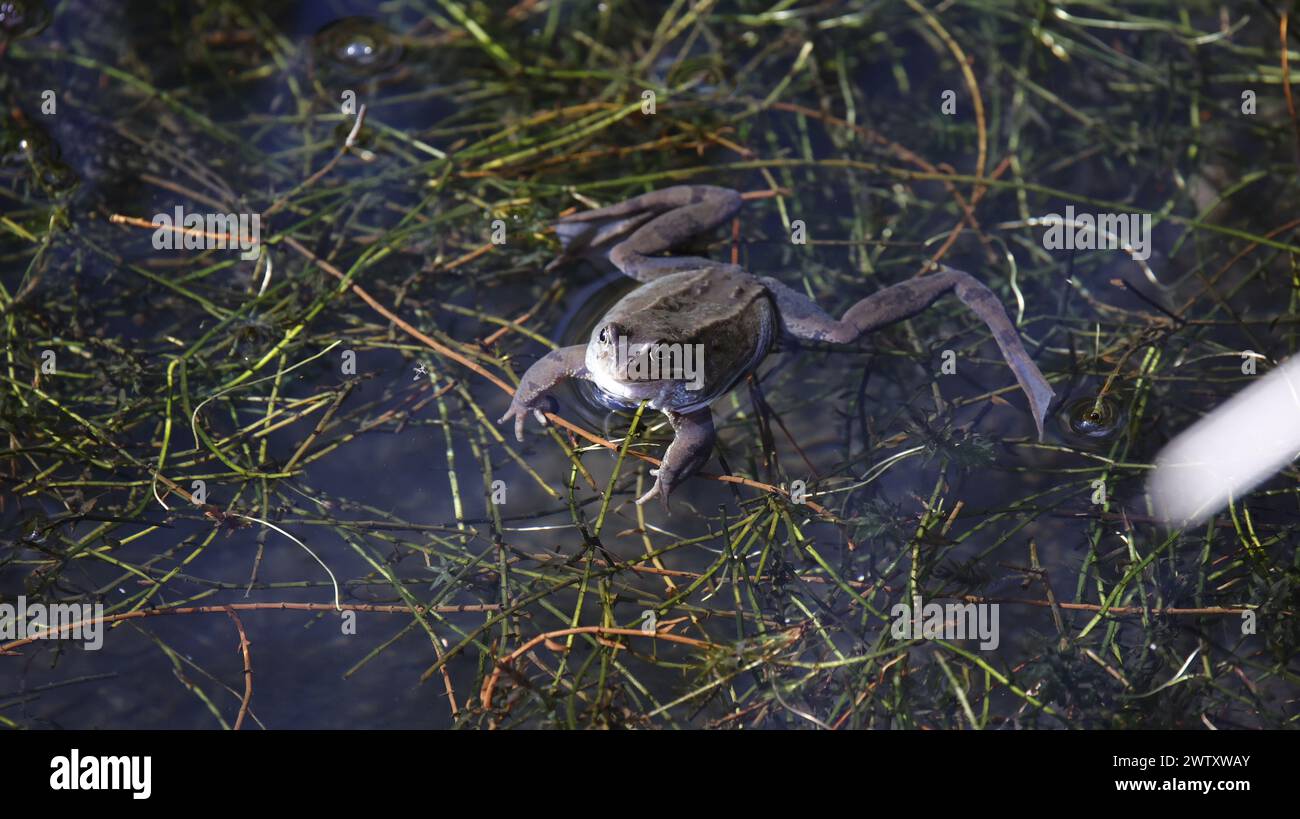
[607,350]
[617,357]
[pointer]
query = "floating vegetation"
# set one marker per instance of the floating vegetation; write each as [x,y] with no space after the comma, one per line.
[251,365]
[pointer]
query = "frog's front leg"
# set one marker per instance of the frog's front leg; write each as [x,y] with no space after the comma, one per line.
[652,223]
[693,437]
[546,372]
[803,319]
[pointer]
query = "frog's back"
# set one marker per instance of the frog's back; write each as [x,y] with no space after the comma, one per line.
[695,305]
[722,308]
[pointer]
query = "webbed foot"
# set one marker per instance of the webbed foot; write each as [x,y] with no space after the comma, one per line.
[646,225]
[693,439]
[519,411]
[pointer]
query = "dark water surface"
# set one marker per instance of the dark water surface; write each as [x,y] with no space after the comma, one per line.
[232,107]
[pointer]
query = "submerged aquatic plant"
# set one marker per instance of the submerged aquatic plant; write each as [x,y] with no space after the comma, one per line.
[180,424]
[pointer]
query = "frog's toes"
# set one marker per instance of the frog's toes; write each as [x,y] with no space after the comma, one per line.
[519,415]
[541,405]
[519,411]
[654,491]
[661,490]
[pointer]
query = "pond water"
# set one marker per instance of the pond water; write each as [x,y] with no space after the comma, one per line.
[186,428]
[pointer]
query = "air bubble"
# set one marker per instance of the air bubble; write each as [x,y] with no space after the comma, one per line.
[359,44]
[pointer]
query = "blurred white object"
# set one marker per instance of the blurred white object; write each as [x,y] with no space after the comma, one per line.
[1230,451]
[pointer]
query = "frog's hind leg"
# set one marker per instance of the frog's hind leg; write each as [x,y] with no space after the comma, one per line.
[652,223]
[801,318]
[693,438]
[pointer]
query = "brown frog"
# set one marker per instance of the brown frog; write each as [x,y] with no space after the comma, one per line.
[696,327]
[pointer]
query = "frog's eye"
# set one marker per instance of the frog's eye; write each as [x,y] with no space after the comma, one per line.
[609,333]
